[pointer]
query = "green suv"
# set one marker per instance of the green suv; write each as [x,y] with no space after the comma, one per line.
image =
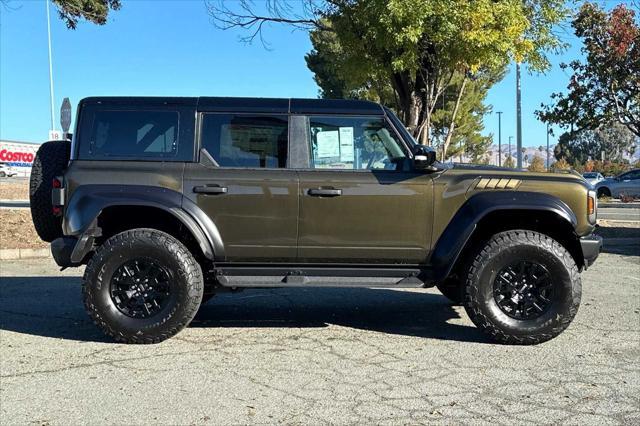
[168,201]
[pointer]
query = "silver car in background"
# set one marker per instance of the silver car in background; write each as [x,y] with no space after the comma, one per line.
[627,183]
[593,177]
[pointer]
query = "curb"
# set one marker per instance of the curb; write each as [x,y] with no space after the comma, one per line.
[607,242]
[16,254]
[633,205]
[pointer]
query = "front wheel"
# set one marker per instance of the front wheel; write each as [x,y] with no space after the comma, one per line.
[142,286]
[523,287]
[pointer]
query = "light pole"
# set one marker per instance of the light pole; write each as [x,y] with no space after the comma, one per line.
[53,119]
[519,117]
[499,138]
[547,146]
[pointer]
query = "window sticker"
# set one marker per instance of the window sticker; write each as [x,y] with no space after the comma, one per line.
[346,144]
[328,144]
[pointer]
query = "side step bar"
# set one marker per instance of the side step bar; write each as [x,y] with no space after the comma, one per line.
[243,277]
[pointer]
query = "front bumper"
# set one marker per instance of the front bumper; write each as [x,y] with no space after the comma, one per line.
[591,246]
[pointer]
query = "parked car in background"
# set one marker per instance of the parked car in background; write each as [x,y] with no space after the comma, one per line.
[627,183]
[6,171]
[593,177]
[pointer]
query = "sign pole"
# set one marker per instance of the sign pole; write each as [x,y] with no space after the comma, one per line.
[53,119]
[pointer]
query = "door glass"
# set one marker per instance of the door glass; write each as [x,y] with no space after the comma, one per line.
[354,143]
[241,140]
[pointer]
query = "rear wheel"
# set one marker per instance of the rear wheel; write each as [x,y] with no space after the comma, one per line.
[142,286]
[523,287]
[51,160]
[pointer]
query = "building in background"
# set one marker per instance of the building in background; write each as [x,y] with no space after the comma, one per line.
[18,155]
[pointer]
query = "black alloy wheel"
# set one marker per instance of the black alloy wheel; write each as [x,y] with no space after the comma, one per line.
[140,288]
[523,290]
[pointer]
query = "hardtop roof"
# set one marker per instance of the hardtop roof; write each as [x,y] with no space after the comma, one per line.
[232,104]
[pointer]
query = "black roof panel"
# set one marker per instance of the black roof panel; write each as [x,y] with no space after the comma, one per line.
[271,105]
[334,106]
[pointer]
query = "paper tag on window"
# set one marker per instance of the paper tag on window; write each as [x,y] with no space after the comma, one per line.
[346,144]
[328,144]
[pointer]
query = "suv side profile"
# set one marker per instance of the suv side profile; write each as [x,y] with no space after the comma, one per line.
[168,201]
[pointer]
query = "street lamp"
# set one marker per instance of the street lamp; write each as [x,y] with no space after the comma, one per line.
[499,138]
[548,130]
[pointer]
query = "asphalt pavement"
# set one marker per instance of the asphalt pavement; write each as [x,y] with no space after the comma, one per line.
[317,356]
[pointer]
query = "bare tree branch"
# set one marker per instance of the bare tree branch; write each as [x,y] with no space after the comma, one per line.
[243,14]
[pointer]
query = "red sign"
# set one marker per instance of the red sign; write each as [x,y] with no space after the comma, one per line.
[24,157]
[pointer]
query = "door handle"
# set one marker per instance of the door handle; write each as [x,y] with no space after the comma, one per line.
[321,192]
[210,189]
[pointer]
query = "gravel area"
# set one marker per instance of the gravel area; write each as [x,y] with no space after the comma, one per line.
[14,189]
[17,231]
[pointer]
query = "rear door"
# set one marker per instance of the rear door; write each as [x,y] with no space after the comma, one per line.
[360,201]
[243,184]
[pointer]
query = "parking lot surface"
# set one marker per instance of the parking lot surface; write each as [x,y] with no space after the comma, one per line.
[317,356]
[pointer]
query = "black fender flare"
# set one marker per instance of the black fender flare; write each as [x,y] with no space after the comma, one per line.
[459,230]
[88,201]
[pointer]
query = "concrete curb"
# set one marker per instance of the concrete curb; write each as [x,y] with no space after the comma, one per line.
[633,205]
[621,241]
[16,254]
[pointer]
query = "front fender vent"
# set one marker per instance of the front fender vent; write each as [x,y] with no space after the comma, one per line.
[497,183]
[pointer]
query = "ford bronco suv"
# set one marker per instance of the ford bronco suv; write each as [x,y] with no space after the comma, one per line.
[168,201]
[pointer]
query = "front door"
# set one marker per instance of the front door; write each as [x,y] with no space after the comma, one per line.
[245,186]
[360,202]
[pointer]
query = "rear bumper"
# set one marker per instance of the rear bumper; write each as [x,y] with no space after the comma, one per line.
[591,246]
[71,251]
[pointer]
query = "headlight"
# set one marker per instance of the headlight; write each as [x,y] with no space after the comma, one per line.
[592,206]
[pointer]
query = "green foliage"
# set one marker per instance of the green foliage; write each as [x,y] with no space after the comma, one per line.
[95,11]
[537,164]
[615,140]
[605,87]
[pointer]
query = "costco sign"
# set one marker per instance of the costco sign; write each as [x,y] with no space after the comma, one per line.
[18,155]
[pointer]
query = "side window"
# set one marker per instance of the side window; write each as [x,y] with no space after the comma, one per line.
[242,140]
[354,143]
[633,175]
[131,134]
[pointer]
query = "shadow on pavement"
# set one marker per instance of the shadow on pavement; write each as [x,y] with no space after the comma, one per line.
[52,307]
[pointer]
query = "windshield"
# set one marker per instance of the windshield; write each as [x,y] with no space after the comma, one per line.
[590,175]
[400,127]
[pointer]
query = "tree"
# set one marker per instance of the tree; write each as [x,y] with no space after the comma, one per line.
[606,86]
[561,164]
[71,11]
[615,140]
[509,163]
[537,164]
[411,50]
[96,11]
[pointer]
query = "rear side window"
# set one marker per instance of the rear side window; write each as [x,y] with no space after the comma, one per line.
[132,134]
[242,140]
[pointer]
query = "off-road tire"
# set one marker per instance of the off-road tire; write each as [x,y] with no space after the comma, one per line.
[604,192]
[51,160]
[511,246]
[186,283]
[452,289]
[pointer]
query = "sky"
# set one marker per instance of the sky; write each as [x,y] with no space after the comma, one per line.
[170,48]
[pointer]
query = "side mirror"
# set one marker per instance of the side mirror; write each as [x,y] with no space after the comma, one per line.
[423,157]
